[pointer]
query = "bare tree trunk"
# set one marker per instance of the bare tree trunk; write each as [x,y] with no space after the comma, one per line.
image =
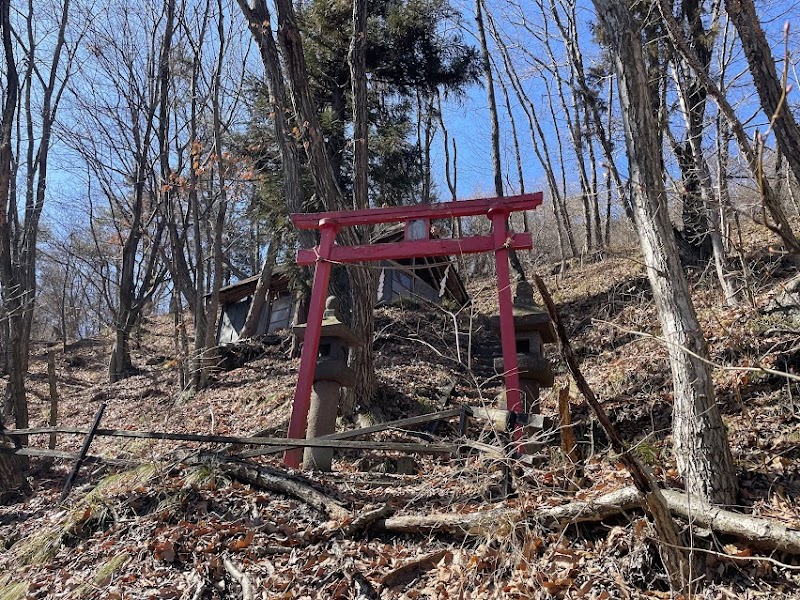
[131,303]
[358,78]
[700,438]
[539,144]
[517,154]
[450,173]
[250,327]
[325,180]
[570,37]
[594,191]
[572,115]
[18,236]
[493,119]
[770,200]
[497,165]
[10,281]
[177,338]
[706,207]
[561,206]
[610,100]
[258,20]
[450,170]
[362,278]
[12,468]
[221,208]
[771,90]
[322,172]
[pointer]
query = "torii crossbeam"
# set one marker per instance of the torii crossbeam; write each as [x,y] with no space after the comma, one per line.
[417,243]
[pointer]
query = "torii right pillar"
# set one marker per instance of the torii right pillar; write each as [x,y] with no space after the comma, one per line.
[532,328]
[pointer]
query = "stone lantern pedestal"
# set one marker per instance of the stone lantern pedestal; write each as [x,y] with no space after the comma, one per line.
[330,376]
[532,329]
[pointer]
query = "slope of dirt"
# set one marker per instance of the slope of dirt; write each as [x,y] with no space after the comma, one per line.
[167,527]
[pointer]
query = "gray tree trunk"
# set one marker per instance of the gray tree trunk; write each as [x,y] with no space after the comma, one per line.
[770,200]
[700,438]
[250,326]
[322,171]
[362,278]
[771,91]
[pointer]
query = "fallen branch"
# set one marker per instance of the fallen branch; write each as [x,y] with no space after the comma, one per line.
[344,435]
[274,482]
[240,577]
[676,561]
[82,454]
[71,456]
[763,533]
[364,520]
[257,441]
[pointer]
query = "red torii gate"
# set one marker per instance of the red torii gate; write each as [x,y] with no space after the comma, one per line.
[501,241]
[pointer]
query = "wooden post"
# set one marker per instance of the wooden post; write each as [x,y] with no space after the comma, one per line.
[82,455]
[568,444]
[51,377]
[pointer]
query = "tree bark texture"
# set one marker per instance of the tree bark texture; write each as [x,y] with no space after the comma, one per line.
[326,182]
[700,439]
[358,77]
[12,290]
[12,469]
[490,96]
[258,19]
[310,130]
[762,533]
[364,288]
[220,212]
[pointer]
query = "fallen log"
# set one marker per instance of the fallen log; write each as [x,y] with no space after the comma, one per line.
[365,519]
[761,532]
[269,480]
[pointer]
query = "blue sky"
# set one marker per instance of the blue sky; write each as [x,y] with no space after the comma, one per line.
[467,118]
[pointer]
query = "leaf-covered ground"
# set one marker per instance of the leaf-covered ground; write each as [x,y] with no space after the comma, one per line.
[158,524]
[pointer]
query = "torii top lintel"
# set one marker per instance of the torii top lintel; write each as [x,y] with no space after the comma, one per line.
[416,247]
[501,241]
[439,210]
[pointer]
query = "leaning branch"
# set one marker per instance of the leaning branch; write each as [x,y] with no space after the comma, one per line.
[676,561]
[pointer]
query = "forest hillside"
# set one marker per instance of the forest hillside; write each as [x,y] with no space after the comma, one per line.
[189,189]
[160,519]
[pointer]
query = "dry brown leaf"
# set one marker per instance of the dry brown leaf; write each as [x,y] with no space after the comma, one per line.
[165,551]
[243,543]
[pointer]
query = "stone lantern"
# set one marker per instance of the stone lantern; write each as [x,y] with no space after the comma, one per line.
[532,329]
[330,376]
